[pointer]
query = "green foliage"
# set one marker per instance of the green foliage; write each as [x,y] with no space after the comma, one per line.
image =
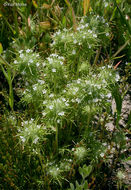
[85,171]
[62,80]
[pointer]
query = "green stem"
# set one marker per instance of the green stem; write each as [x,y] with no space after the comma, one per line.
[56,138]
[9,80]
[9,25]
[42,166]
[11,96]
[16,21]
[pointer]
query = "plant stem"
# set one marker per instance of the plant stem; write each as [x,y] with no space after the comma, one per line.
[56,138]
[16,21]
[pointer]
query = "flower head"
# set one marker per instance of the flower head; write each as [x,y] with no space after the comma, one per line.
[54,70]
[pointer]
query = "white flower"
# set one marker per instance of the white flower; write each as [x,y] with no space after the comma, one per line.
[78,81]
[26,122]
[26,83]
[94,35]
[44,64]
[90,31]
[82,21]
[75,41]
[41,81]
[38,126]
[20,51]
[31,121]
[62,58]
[44,91]
[107,34]
[109,66]
[73,52]
[66,104]
[58,121]
[21,55]
[63,99]
[15,62]
[109,127]
[50,59]
[58,32]
[78,100]
[62,37]
[78,28]
[95,100]
[102,155]
[37,64]
[98,86]
[104,81]
[76,89]
[104,144]
[35,88]
[108,95]
[28,50]
[86,24]
[82,27]
[106,4]
[61,62]
[65,30]
[51,107]
[103,20]
[84,37]
[54,70]
[61,113]
[44,114]
[23,73]
[30,61]
[22,139]
[51,95]
[117,77]
[36,139]
[44,102]
[54,55]
[98,16]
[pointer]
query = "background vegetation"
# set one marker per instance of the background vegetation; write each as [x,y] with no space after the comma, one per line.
[64,75]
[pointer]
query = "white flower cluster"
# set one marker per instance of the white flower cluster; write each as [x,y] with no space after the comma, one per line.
[68,38]
[31,130]
[56,106]
[28,57]
[54,63]
[55,58]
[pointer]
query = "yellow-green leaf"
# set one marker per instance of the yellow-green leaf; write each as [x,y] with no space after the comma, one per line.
[45,25]
[35,4]
[46,6]
[1,48]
